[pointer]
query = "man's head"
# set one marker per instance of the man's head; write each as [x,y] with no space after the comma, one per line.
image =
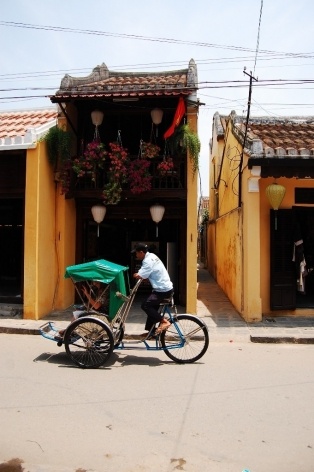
[140,250]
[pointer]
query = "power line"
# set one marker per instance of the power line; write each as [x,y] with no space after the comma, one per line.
[142,38]
[258,34]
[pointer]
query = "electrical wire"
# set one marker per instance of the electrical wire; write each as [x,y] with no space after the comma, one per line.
[258,35]
[139,37]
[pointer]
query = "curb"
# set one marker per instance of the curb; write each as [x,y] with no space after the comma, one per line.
[12,330]
[36,331]
[281,340]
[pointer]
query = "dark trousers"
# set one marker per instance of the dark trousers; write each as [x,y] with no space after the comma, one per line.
[151,305]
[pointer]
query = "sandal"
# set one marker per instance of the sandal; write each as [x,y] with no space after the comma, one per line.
[163,326]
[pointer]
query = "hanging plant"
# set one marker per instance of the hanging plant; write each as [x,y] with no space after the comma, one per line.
[58,142]
[185,139]
[139,177]
[92,159]
[112,192]
[64,177]
[118,156]
[149,150]
[165,166]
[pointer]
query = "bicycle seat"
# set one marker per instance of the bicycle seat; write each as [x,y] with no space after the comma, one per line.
[167,301]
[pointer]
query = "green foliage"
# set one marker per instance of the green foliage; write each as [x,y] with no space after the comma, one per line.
[58,146]
[185,139]
[205,216]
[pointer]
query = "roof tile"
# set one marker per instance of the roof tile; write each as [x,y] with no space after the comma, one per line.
[285,136]
[16,123]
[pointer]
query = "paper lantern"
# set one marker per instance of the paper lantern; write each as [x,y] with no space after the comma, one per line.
[97,117]
[157,213]
[99,213]
[275,194]
[156,115]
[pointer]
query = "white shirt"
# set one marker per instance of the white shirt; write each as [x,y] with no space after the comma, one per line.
[154,270]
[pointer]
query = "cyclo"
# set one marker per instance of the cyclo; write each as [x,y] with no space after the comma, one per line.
[91,338]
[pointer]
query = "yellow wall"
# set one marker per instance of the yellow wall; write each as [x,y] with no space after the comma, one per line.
[49,243]
[235,227]
[39,258]
[251,273]
[191,231]
[225,234]
[228,256]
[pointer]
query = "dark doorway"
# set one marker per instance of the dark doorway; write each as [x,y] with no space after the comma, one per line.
[304,220]
[115,238]
[12,250]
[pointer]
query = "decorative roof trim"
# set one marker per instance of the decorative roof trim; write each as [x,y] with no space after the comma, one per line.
[104,83]
[27,141]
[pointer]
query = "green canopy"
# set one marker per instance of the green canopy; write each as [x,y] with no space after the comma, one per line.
[105,272]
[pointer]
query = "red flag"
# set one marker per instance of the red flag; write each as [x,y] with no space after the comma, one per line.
[179,114]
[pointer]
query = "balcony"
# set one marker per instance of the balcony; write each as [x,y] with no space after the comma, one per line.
[170,185]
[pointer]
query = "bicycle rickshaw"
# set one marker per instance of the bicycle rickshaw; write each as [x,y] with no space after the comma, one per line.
[91,338]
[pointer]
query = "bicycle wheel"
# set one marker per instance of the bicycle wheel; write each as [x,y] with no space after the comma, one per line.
[186,340]
[88,342]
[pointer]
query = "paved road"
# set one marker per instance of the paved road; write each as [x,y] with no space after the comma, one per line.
[243,406]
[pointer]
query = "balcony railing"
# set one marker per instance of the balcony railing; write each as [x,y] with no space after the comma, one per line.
[174,179]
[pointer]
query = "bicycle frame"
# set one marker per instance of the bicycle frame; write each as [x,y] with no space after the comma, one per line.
[157,346]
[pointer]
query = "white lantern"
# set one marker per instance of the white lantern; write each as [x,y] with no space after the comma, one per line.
[156,115]
[157,213]
[99,213]
[97,117]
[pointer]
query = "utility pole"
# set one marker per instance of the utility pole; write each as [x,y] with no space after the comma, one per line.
[245,131]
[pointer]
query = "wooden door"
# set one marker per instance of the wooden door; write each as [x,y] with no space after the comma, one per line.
[282,268]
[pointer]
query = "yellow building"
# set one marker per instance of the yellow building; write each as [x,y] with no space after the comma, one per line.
[58,228]
[263,257]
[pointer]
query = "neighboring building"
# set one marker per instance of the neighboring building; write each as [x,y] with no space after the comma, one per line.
[59,226]
[251,246]
[25,230]
[203,215]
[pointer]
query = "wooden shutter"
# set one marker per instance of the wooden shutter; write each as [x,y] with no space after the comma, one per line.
[282,273]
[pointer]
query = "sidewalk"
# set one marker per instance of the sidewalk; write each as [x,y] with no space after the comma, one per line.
[223,321]
[225,324]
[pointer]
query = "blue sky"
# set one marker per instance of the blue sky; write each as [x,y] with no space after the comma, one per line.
[221,37]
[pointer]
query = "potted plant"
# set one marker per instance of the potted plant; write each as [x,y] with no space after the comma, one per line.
[91,160]
[149,150]
[165,166]
[185,139]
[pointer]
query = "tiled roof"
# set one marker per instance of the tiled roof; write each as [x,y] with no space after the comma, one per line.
[104,83]
[290,137]
[16,123]
[285,137]
[21,128]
